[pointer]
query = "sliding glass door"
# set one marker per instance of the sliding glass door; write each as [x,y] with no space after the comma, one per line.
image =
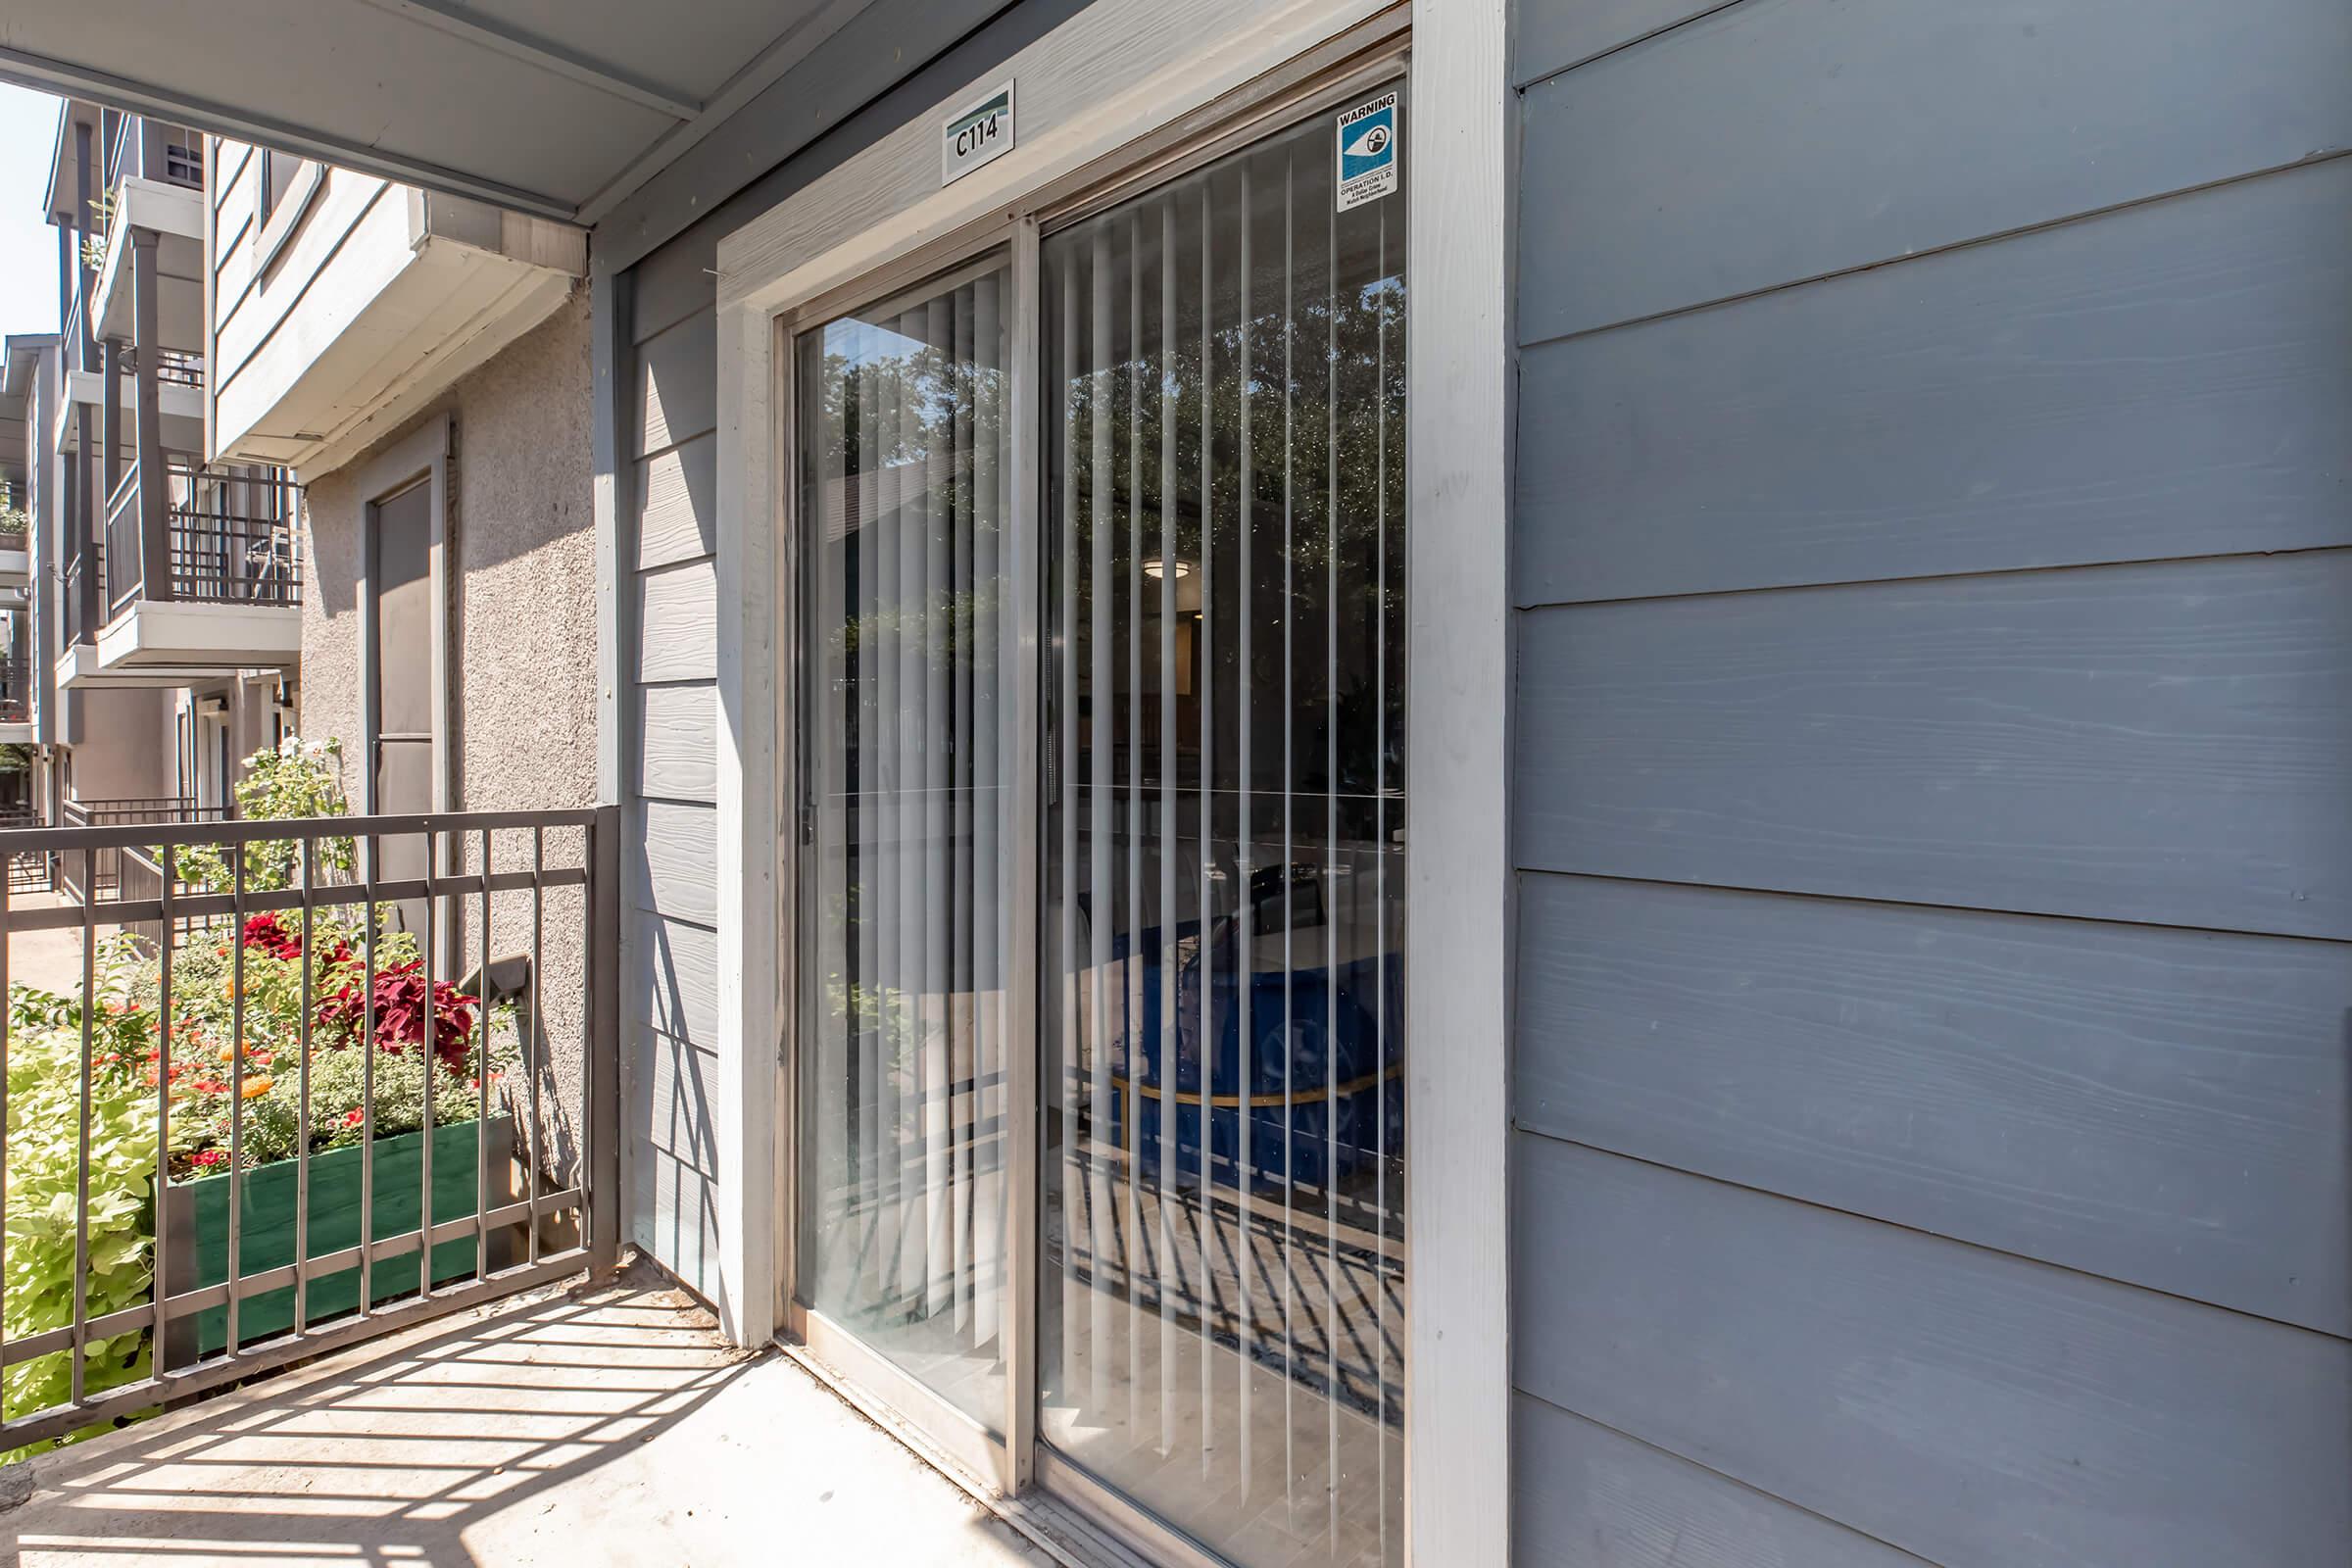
[905,911]
[1223,1003]
[1182,927]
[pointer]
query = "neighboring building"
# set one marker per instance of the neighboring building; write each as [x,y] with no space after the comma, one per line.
[23,359]
[421,363]
[168,607]
[1746,959]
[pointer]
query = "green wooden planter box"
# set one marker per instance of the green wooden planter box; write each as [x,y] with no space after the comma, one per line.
[196,1230]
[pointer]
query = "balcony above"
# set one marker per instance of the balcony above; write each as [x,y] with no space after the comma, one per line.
[349,306]
[16,567]
[175,212]
[179,395]
[199,574]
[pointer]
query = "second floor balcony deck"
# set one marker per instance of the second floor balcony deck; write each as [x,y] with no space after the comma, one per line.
[197,573]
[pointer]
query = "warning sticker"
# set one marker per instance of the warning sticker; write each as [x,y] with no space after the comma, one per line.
[1368,152]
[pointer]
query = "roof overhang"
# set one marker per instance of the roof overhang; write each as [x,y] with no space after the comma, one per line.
[560,108]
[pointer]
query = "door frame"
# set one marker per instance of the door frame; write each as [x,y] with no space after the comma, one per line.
[419,458]
[1119,97]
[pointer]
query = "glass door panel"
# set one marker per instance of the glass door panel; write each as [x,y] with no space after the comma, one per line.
[907,750]
[1221,999]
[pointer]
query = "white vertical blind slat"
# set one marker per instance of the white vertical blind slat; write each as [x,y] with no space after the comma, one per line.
[1102,827]
[1164,1071]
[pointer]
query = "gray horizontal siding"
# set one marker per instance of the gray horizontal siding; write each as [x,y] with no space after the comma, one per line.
[674,984]
[2168,1107]
[1549,37]
[673,1211]
[672,762]
[1584,1496]
[677,746]
[1931,721]
[681,1083]
[2166,381]
[1975,1409]
[677,383]
[677,502]
[1778,140]
[679,844]
[2159,743]
[677,620]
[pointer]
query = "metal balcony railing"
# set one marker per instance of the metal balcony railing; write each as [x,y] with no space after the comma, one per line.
[228,537]
[180,366]
[99,876]
[80,619]
[295,1131]
[16,666]
[29,871]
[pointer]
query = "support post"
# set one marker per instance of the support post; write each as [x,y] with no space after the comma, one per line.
[110,416]
[86,345]
[88,522]
[155,545]
[602,1089]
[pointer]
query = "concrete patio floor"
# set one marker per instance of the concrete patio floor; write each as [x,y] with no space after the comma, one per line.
[591,1426]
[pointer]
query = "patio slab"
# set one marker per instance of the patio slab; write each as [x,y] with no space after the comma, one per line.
[589,1427]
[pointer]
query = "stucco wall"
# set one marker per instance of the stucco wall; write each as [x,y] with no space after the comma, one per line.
[523,633]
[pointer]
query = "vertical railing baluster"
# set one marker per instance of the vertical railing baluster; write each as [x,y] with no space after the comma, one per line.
[301,1142]
[482,1083]
[532,1064]
[236,1083]
[163,1108]
[424,1150]
[81,1175]
[367,850]
[7,933]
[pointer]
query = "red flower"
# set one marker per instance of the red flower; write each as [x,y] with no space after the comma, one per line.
[354,1116]
[208,1158]
[400,1011]
[268,933]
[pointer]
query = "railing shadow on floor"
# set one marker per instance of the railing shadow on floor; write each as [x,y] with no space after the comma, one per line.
[393,1459]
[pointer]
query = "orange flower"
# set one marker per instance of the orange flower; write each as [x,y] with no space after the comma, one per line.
[255,1088]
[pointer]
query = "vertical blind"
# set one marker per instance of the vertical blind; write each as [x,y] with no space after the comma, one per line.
[909,746]
[1221,1331]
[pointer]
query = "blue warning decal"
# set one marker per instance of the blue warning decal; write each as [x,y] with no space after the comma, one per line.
[1368,147]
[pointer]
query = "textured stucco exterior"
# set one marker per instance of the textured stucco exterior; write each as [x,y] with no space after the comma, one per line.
[521,656]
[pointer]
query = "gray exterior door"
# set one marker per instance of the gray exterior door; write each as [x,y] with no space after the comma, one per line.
[1934,713]
[401,744]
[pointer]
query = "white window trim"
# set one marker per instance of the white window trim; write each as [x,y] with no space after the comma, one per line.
[1095,93]
[274,227]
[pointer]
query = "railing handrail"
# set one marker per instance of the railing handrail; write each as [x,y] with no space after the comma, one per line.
[248,830]
[545,1175]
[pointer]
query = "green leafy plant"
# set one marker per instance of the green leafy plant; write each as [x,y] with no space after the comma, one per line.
[93,238]
[44,1142]
[228,1064]
[299,779]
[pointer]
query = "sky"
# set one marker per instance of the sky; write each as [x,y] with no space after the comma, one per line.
[27,244]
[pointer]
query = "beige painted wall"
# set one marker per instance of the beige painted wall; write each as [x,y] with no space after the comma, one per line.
[523,633]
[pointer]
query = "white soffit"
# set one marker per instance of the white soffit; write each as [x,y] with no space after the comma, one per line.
[555,107]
